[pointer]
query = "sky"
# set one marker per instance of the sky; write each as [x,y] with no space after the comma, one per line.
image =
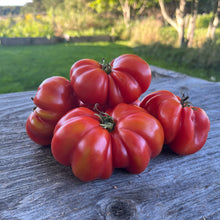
[13,2]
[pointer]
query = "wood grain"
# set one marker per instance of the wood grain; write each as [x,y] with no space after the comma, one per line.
[34,186]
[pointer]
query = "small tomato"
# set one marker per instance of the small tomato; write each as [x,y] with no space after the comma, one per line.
[185,127]
[54,98]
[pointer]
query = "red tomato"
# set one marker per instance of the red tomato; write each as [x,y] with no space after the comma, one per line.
[185,127]
[93,145]
[54,98]
[123,80]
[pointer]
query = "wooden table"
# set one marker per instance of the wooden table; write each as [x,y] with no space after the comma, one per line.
[35,186]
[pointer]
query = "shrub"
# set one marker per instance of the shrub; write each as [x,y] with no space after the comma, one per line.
[145,31]
[151,30]
[202,20]
[168,35]
[208,55]
[206,58]
[29,26]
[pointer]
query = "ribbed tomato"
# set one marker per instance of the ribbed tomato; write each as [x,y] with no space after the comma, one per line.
[54,98]
[94,144]
[185,126]
[122,80]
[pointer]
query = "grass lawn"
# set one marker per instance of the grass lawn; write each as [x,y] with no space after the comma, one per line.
[196,62]
[23,68]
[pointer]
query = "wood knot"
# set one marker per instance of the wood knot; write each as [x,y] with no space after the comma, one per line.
[119,209]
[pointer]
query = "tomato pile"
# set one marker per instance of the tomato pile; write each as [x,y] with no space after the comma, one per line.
[95,121]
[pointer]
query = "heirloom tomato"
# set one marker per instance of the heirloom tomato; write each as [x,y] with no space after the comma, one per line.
[122,80]
[94,144]
[185,127]
[54,98]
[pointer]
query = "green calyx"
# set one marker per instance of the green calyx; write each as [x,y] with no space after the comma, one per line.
[106,66]
[185,103]
[106,121]
[108,124]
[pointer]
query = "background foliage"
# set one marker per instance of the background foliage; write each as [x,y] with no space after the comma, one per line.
[126,19]
[139,23]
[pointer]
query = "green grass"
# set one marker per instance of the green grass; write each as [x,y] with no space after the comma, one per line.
[210,75]
[197,62]
[23,68]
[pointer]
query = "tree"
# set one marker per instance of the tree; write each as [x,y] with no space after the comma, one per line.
[36,6]
[126,11]
[9,10]
[74,16]
[205,6]
[214,21]
[135,6]
[179,23]
[126,7]
[50,7]
[192,23]
[39,6]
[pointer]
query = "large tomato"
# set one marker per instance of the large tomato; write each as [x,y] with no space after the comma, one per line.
[94,144]
[123,80]
[185,127]
[54,98]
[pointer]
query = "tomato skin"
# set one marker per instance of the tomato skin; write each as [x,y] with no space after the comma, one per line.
[130,76]
[185,127]
[40,131]
[93,152]
[103,108]
[53,99]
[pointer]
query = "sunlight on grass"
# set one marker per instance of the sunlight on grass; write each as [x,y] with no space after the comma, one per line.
[25,67]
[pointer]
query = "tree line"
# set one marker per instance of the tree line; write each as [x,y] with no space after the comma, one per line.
[179,24]
[174,12]
[10,10]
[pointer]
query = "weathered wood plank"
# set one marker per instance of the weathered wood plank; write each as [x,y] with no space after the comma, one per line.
[34,186]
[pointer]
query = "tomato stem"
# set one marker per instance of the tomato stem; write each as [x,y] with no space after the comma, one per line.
[184,101]
[106,66]
[106,121]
